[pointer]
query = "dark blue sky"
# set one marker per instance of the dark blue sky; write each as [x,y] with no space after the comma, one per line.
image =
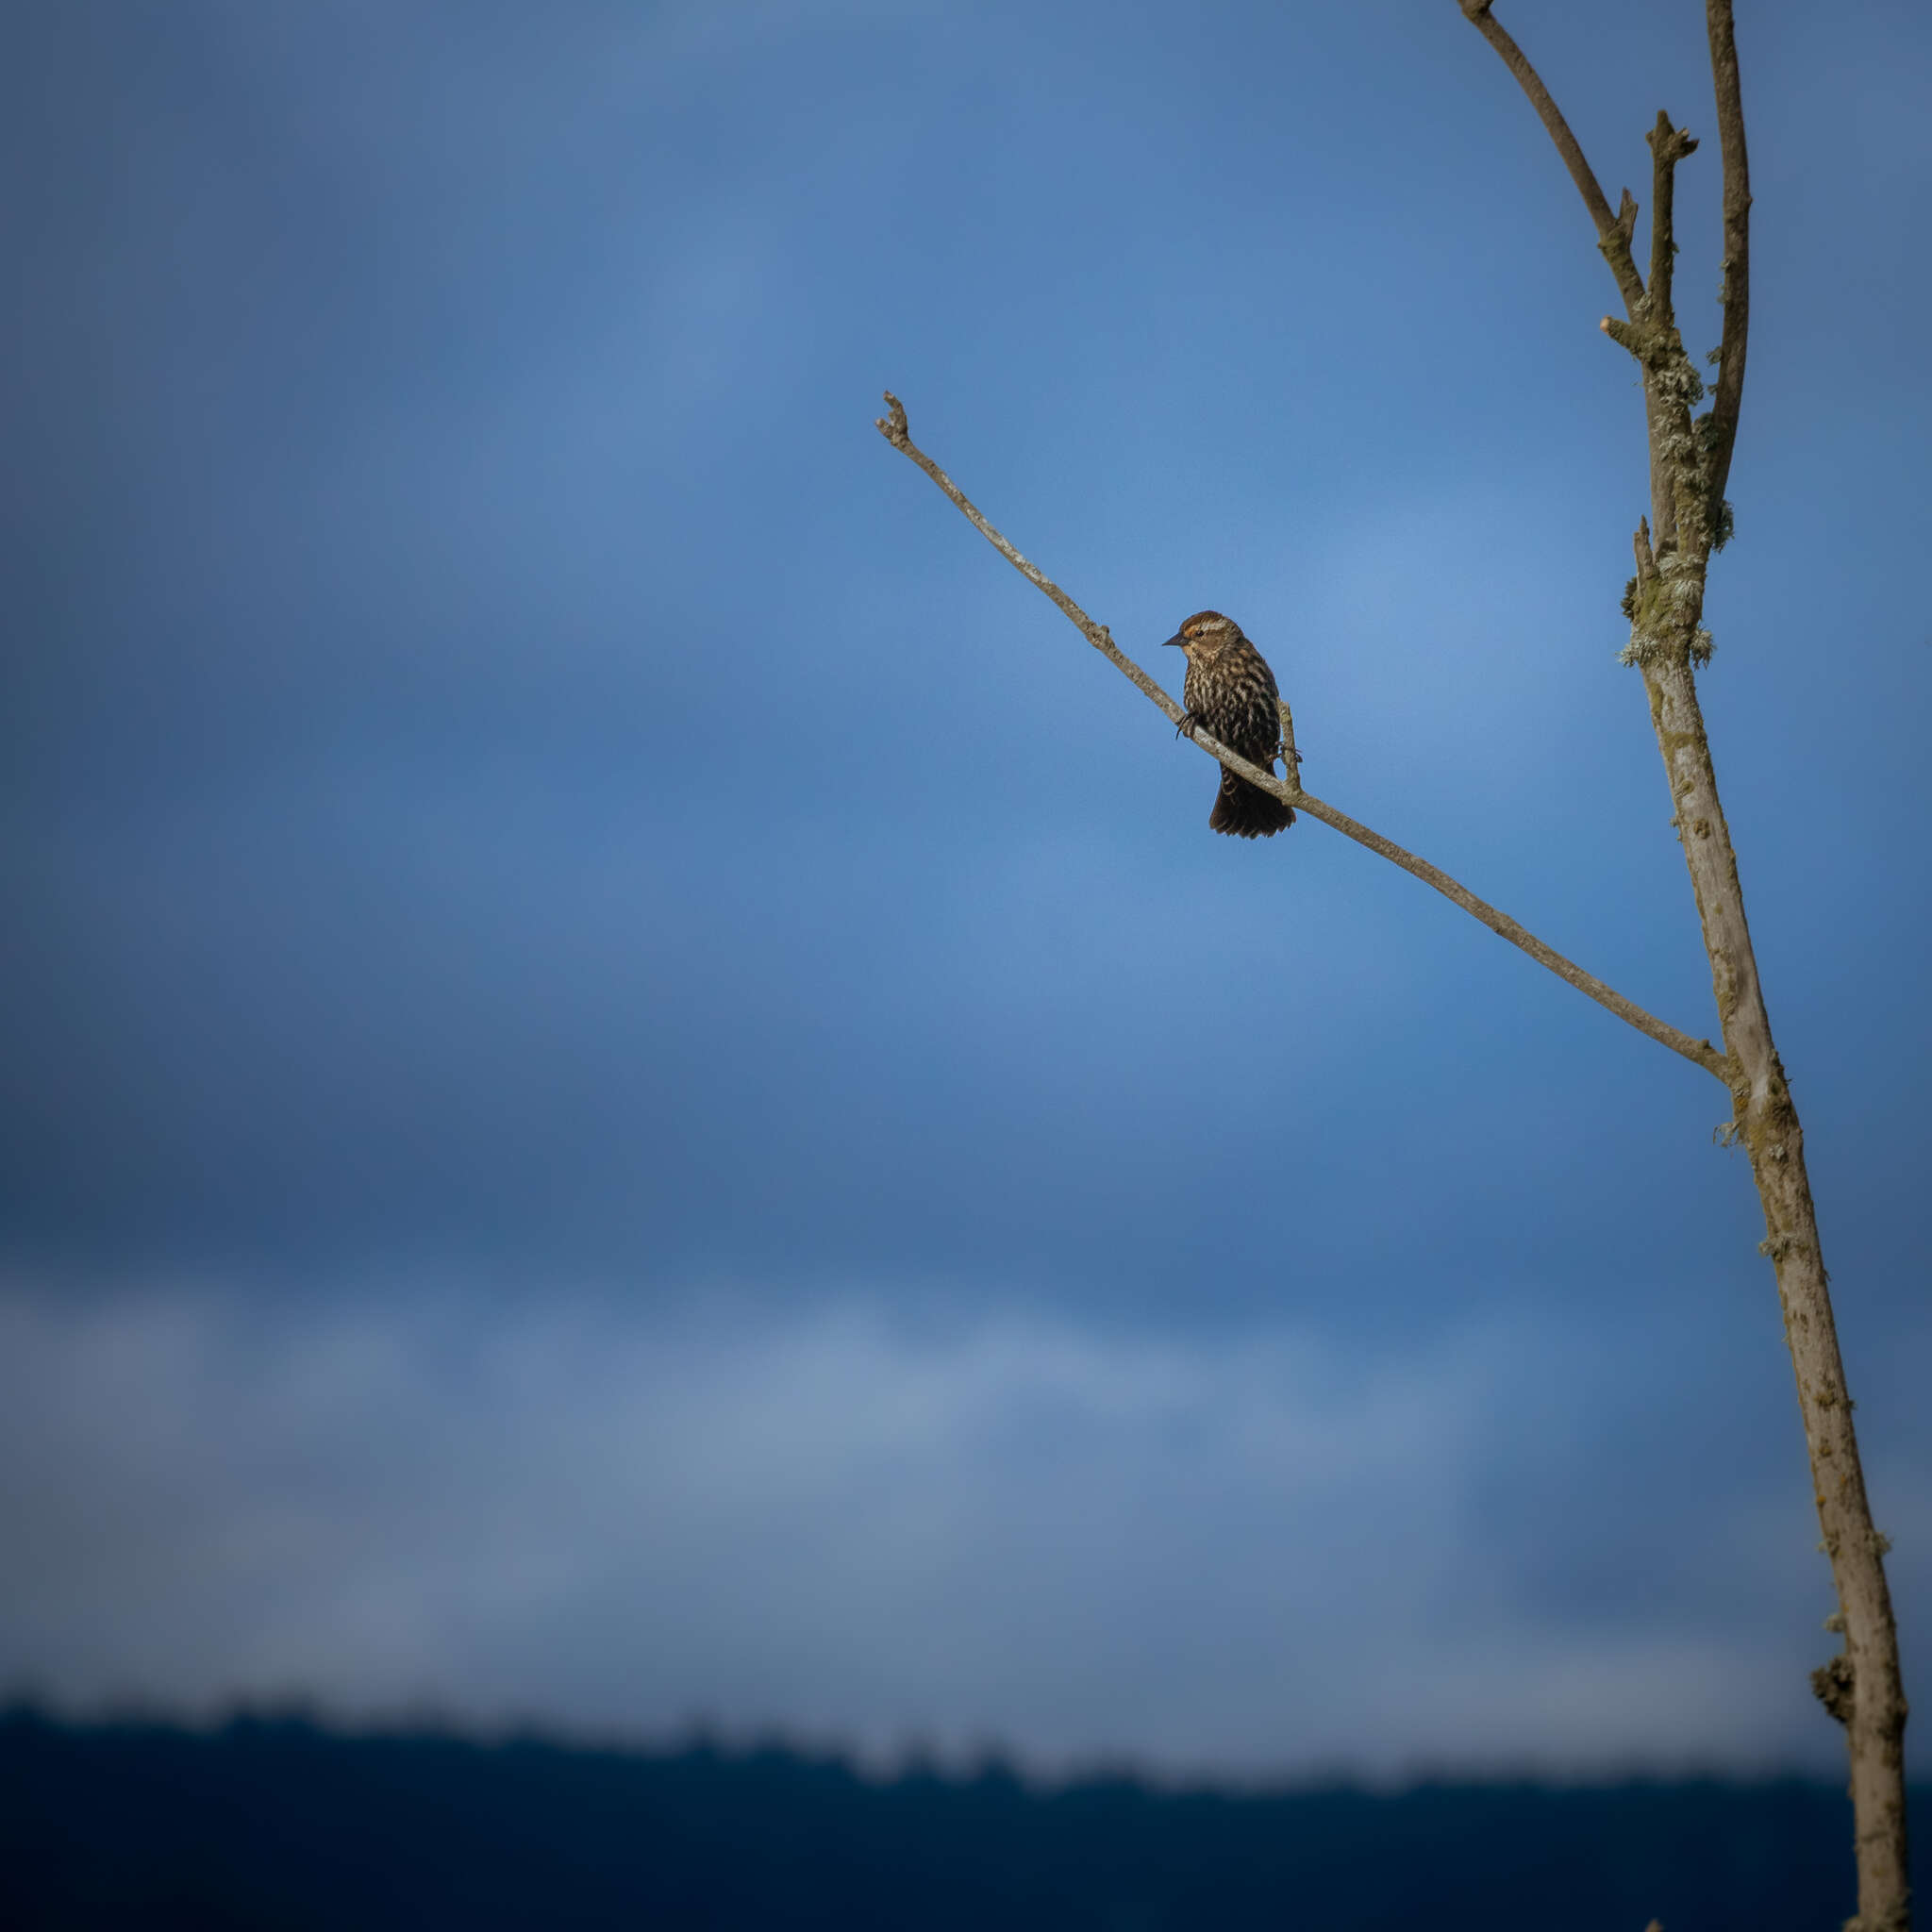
[632,1085]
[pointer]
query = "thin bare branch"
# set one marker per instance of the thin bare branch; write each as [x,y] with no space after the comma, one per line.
[1667,146]
[892,428]
[1730,126]
[1863,1687]
[1700,1052]
[1612,230]
[1290,758]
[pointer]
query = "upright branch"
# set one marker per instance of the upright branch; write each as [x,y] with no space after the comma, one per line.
[1699,1052]
[1737,266]
[1671,387]
[1667,146]
[1690,463]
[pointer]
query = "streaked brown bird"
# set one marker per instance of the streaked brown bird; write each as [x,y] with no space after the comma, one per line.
[1230,694]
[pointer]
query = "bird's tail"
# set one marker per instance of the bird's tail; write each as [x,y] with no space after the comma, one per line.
[1245,811]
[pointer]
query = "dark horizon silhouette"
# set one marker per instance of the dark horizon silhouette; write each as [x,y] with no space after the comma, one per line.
[277,1821]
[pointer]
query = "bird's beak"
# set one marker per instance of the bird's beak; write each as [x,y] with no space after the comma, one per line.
[1177,638]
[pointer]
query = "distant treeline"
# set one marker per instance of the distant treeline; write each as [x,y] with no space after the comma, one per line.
[283,1824]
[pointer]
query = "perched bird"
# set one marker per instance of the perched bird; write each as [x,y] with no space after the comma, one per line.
[1230,694]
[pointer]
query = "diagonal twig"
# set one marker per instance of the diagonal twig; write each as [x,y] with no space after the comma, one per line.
[1612,230]
[893,427]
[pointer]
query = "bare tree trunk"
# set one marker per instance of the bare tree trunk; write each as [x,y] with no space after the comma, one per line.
[1863,1687]
[1689,462]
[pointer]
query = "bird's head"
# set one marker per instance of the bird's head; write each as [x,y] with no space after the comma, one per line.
[1206,635]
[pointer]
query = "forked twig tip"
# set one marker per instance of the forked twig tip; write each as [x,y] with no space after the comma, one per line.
[893,427]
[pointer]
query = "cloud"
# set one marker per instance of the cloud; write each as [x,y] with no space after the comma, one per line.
[1248,1552]
[509,776]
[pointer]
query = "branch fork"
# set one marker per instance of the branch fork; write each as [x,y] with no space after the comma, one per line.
[893,426]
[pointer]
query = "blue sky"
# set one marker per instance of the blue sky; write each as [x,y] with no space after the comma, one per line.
[633,1087]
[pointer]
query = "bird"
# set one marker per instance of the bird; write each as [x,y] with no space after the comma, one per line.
[1230,693]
